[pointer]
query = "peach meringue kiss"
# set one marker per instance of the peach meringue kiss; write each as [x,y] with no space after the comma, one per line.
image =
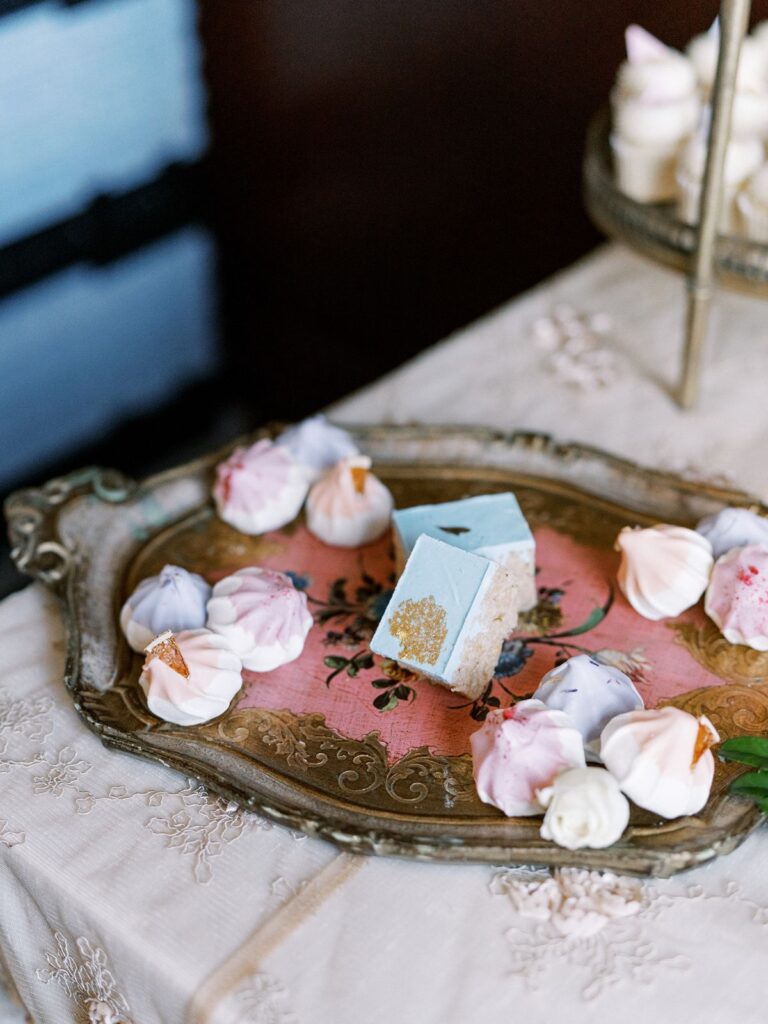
[661,759]
[260,488]
[349,506]
[190,677]
[664,569]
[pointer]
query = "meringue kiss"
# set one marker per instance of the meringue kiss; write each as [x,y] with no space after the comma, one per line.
[733,528]
[737,596]
[521,750]
[349,506]
[661,759]
[174,599]
[191,677]
[664,569]
[260,488]
[590,693]
[317,445]
[262,615]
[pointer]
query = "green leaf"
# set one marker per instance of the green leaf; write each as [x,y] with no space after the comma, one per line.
[751,750]
[381,684]
[752,784]
[352,670]
[334,661]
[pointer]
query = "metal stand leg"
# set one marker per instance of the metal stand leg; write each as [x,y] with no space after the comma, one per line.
[734,20]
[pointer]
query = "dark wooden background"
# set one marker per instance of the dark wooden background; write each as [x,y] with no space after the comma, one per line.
[384,171]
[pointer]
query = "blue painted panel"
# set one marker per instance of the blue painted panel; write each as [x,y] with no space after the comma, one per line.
[93,98]
[91,346]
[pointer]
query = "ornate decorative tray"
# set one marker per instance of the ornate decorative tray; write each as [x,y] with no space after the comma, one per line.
[350,747]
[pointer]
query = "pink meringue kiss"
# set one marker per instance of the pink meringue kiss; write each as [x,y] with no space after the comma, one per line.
[737,596]
[260,488]
[262,616]
[349,506]
[521,750]
[661,759]
[191,677]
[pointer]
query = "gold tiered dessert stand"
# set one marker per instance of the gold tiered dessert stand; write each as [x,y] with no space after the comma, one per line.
[653,228]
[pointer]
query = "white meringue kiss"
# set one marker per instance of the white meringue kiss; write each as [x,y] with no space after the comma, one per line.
[317,445]
[661,759]
[174,599]
[664,569]
[214,679]
[349,506]
[584,808]
[733,528]
[590,693]
[262,616]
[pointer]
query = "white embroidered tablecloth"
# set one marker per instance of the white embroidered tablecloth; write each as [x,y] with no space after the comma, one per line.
[128,894]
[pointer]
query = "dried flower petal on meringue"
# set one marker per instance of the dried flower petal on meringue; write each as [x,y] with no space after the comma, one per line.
[190,677]
[584,808]
[349,506]
[262,615]
[661,758]
[664,569]
[521,750]
[737,596]
[174,599]
[260,488]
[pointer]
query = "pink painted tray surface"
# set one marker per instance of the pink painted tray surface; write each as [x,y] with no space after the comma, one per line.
[580,610]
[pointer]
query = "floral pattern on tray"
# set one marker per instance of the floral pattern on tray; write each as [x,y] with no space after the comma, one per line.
[580,610]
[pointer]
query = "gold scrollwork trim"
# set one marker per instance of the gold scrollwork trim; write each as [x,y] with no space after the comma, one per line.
[305,744]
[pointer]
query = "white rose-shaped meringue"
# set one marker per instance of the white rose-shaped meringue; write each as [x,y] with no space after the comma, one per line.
[664,569]
[317,445]
[349,506]
[174,599]
[733,528]
[191,677]
[520,750]
[584,808]
[262,615]
[661,759]
[260,488]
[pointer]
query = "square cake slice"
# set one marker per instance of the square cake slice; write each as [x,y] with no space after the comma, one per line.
[491,525]
[449,615]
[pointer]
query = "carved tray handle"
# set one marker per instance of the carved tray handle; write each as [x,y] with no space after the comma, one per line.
[32,516]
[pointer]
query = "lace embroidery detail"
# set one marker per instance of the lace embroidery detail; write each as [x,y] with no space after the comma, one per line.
[85,976]
[10,836]
[194,823]
[574,902]
[263,1000]
[591,922]
[64,772]
[200,826]
[573,347]
[29,717]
